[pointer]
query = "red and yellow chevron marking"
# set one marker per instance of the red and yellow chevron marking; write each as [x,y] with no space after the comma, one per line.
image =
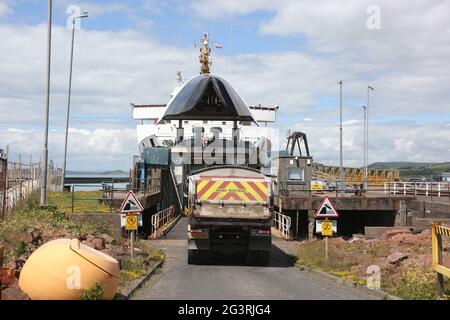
[222,190]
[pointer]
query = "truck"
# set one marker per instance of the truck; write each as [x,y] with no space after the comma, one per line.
[230,212]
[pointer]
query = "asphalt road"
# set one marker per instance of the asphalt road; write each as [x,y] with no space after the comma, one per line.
[233,280]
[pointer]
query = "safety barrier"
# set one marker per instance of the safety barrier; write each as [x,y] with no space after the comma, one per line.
[437,232]
[427,189]
[282,223]
[160,220]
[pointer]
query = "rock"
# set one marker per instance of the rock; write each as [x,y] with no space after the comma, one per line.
[8,277]
[88,243]
[14,293]
[99,244]
[354,240]
[20,262]
[37,239]
[108,239]
[397,257]
[90,238]
[392,233]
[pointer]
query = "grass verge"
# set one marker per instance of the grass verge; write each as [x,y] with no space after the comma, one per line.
[412,279]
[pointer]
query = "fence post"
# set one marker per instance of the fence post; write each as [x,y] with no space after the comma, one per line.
[73,196]
[439,189]
[436,238]
[431,193]
[404,188]
[395,188]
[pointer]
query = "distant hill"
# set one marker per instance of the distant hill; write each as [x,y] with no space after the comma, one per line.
[115,173]
[414,169]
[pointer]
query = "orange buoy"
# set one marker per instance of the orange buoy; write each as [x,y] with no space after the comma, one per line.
[63,269]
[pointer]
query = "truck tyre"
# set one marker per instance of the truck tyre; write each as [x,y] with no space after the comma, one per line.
[192,257]
[252,258]
[264,258]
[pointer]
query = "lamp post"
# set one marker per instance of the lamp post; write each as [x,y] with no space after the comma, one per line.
[47,107]
[366,157]
[365,141]
[84,15]
[341,169]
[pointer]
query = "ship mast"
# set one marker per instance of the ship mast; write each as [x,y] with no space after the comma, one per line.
[205,60]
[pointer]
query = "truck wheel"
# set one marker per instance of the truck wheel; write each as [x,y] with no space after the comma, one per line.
[252,258]
[264,258]
[192,257]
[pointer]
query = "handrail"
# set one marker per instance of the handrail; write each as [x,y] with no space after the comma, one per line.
[282,223]
[161,220]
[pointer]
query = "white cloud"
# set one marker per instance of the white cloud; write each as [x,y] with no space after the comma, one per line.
[95,149]
[4,8]
[387,142]
[406,62]
[220,8]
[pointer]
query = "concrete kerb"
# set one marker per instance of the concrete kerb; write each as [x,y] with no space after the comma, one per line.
[139,283]
[379,293]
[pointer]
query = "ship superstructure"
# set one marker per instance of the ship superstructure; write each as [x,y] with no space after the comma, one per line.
[160,124]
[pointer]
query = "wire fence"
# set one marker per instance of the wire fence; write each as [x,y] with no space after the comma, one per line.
[3,175]
[19,180]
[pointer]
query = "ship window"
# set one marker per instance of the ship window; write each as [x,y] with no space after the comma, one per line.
[296,174]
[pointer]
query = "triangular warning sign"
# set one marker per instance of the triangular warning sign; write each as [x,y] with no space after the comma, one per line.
[327,210]
[131,204]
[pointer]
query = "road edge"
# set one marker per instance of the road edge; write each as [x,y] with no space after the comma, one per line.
[172,224]
[353,284]
[139,283]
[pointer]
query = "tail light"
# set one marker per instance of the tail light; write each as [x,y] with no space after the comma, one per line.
[197,231]
[263,232]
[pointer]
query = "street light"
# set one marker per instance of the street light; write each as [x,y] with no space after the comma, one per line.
[366,157]
[47,109]
[82,16]
[341,169]
[365,145]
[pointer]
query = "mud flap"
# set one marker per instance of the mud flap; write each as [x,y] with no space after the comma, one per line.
[199,244]
[260,243]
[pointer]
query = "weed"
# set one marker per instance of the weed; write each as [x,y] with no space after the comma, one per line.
[21,248]
[96,293]
[132,269]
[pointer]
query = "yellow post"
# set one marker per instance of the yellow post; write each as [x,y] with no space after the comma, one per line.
[436,237]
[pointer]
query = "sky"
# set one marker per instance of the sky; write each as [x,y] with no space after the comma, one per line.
[290,53]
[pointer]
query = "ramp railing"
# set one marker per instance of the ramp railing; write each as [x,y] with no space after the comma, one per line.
[160,220]
[282,223]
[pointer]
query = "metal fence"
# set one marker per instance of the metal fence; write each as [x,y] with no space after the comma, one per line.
[21,179]
[3,175]
[282,223]
[161,220]
[427,189]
